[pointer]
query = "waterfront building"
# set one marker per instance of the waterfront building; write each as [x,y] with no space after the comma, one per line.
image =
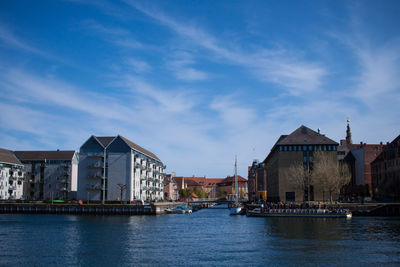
[11,176]
[257,181]
[358,157]
[189,182]
[226,188]
[386,172]
[210,187]
[299,146]
[170,188]
[50,174]
[114,168]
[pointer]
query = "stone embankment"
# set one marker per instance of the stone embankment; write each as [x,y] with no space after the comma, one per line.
[89,209]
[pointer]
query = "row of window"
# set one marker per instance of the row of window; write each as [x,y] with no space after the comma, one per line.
[308,148]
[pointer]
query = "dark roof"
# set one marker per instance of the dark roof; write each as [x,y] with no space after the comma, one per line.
[7,156]
[139,148]
[42,155]
[305,136]
[105,140]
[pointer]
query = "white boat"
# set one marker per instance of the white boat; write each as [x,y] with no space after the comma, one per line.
[318,213]
[236,208]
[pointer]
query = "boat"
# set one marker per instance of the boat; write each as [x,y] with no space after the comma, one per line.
[319,213]
[179,210]
[236,208]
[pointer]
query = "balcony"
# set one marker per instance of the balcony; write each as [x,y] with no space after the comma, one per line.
[93,187]
[95,176]
[12,178]
[95,155]
[97,165]
[12,187]
[63,181]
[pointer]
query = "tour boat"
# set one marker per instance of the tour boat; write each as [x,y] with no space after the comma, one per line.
[236,208]
[322,213]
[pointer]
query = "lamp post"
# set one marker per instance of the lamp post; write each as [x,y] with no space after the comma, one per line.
[122,187]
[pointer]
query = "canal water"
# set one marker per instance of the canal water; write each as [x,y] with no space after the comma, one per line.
[209,237]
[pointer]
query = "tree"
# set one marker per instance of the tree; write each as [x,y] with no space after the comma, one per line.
[328,174]
[298,176]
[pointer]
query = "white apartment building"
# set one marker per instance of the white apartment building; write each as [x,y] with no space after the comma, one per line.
[50,175]
[11,176]
[115,168]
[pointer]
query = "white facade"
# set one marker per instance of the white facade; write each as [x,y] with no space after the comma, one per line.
[11,180]
[114,168]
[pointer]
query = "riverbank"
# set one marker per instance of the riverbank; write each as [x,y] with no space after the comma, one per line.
[90,209]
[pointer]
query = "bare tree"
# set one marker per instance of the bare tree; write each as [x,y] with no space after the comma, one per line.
[328,174]
[298,176]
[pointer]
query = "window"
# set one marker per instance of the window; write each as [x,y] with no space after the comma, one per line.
[309,148]
[280,148]
[294,148]
[285,148]
[290,196]
[290,148]
[304,148]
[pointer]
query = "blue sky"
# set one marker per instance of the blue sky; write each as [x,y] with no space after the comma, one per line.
[197,82]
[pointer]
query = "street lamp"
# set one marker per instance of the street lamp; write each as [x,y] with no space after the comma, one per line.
[122,187]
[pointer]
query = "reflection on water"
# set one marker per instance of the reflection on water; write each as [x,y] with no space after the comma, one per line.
[207,237]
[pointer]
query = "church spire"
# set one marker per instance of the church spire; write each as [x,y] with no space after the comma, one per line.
[348,133]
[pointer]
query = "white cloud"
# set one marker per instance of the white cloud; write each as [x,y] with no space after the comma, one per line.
[276,67]
[116,35]
[139,66]
[180,64]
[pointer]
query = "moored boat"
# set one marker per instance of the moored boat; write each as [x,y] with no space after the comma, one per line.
[237,208]
[322,213]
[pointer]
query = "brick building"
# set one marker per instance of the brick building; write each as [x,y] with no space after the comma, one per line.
[386,172]
[299,146]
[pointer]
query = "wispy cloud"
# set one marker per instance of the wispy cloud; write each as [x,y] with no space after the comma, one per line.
[138,66]
[278,67]
[181,65]
[116,35]
[53,92]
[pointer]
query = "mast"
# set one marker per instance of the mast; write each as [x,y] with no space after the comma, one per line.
[236,183]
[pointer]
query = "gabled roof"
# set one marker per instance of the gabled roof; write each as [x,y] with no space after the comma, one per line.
[305,136]
[7,156]
[139,148]
[105,140]
[45,155]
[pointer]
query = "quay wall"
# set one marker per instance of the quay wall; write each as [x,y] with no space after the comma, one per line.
[88,209]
